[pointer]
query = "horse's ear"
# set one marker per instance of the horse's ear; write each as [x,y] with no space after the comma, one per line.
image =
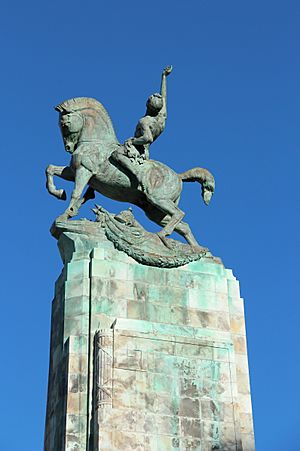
[58,108]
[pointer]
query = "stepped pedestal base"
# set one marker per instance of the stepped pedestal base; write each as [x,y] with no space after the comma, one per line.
[145,358]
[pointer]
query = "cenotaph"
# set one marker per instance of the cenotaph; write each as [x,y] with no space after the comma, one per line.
[148,342]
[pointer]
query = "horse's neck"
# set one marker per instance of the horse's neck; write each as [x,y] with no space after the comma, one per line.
[98,130]
[89,134]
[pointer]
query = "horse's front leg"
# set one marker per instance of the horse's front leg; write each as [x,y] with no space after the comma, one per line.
[82,177]
[64,172]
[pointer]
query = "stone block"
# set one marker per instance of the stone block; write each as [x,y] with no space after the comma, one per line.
[165,314]
[237,324]
[77,364]
[128,441]
[98,253]
[124,399]
[109,307]
[189,407]
[168,296]
[182,279]
[78,269]
[246,422]
[248,442]
[75,424]
[202,319]
[140,291]
[147,424]
[156,312]
[78,325]
[75,306]
[160,383]
[233,288]
[204,267]
[150,442]
[111,254]
[194,350]
[245,405]
[241,364]
[239,343]
[136,310]
[114,418]
[191,427]
[167,425]
[243,384]
[99,288]
[76,403]
[236,306]
[165,442]
[120,289]
[217,411]
[191,444]
[73,442]
[207,300]
[109,269]
[155,276]
[105,441]
[131,359]
[77,287]
[77,383]
[221,284]
[123,379]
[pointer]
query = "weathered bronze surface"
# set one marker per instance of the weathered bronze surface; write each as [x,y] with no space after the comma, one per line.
[123,172]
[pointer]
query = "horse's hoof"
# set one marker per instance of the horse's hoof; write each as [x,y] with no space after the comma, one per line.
[164,240]
[62,218]
[62,194]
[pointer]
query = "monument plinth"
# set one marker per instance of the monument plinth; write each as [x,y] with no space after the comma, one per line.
[145,358]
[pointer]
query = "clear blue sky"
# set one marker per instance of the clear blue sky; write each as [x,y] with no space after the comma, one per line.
[233,108]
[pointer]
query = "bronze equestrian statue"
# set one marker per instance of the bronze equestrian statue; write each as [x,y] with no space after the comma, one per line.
[123,172]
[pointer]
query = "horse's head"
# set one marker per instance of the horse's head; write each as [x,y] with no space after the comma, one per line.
[84,119]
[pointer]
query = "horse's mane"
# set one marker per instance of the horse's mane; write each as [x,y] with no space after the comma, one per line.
[86,103]
[80,103]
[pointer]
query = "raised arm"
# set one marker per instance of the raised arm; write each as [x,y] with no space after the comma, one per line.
[163,89]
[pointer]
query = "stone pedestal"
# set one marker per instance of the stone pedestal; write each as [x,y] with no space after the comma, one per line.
[145,358]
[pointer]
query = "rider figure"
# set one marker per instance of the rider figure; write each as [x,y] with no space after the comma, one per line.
[136,150]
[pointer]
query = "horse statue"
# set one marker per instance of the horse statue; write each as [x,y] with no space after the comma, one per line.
[89,136]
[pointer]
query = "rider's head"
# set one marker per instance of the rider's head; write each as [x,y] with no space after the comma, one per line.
[154,104]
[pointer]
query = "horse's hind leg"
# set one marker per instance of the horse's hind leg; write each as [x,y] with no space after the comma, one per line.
[174,213]
[182,228]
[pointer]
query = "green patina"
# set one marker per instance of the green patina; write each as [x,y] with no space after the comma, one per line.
[125,172]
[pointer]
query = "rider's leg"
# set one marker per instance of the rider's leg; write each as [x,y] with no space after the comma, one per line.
[122,159]
[126,163]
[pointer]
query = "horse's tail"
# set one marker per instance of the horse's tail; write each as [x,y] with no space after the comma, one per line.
[202,176]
